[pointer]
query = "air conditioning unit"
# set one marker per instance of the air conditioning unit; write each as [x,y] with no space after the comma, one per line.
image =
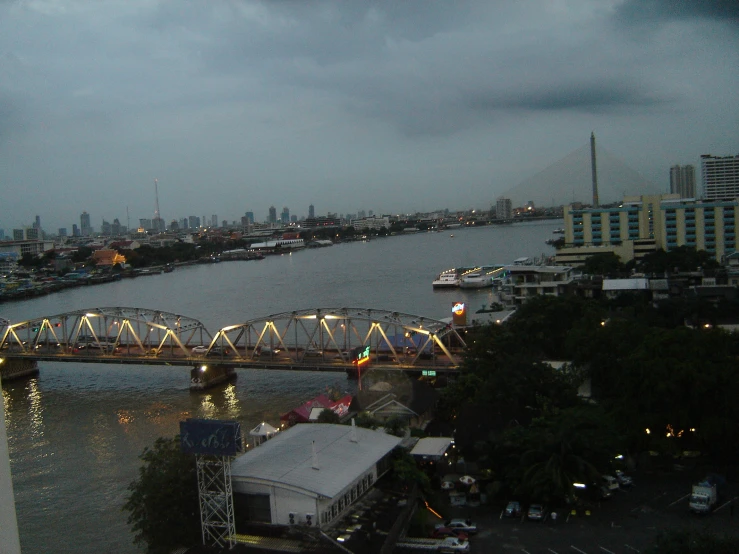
[292,518]
[309,519]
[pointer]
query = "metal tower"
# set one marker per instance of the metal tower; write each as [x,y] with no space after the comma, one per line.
[594,170]
[216,500]
[157,217]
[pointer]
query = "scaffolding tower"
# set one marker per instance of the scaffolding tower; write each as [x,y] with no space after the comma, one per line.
[216,500]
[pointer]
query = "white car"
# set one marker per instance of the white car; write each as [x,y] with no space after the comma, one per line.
[200,350]
[623,479]
[460,524]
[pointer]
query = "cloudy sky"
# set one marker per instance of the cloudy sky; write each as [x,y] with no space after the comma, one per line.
[385,105]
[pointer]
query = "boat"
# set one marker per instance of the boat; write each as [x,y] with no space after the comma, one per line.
[446,280]
[475,281]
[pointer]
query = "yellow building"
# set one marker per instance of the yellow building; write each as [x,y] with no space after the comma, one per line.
[642,224]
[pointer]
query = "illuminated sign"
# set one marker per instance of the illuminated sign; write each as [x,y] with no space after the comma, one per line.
[459,314]
[210,436]
[428,373]
[361,355]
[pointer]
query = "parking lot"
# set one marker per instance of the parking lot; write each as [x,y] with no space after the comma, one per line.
[624,524]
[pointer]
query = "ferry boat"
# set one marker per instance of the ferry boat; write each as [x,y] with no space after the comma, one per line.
[475,281]
[446,280]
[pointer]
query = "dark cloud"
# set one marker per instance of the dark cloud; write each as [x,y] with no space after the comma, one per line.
[665,10]
[591,97]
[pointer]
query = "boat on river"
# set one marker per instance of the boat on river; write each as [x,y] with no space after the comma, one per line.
[475,281]
[446,280]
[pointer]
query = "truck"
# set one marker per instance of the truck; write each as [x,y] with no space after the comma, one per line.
[447,544]
[704,495]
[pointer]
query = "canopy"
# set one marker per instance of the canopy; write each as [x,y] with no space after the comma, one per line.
[263,430]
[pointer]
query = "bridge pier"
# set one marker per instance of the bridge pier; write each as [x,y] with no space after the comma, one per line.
[206,376]
[15,369]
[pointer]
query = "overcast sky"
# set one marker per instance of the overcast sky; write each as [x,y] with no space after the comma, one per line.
[385,105]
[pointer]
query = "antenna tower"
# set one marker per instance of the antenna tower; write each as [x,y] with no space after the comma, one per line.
[156,210]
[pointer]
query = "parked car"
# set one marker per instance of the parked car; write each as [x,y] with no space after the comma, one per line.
[460,524]
[441,532]
[623,479]
[537,512]
[202,349]
[610,482]
[513,509]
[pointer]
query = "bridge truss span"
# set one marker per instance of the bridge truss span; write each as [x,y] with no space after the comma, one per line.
[323,335]
[105,330]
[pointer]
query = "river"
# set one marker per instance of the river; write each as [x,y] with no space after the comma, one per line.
[75,431]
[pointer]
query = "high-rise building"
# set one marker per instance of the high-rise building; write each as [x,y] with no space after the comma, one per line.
[75,230]
[115,228]
[503,208]
[720,177]
[285,215]
[184,223]
[272,215]
[106,228]
[214,221]
[640,225]
[62,232]
[85,227]
[19,234]
[311,211]
[682,181]
[37,223]
[194,222]
[146,224]
[249,217]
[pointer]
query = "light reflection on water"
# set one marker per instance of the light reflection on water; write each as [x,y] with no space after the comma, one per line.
[75,432]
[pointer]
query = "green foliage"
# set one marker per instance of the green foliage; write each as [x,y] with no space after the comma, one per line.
[682,258]
[396,426]
[365,420]
[146,255]
[407,473]
[162,504]
[82,254]
[328,416]
[607,264]
[691,541]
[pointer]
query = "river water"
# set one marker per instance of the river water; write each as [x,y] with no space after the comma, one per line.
[75,431]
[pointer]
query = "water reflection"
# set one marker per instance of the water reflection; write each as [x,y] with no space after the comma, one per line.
[35,409]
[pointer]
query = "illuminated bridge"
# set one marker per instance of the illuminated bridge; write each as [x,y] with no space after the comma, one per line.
[324,339]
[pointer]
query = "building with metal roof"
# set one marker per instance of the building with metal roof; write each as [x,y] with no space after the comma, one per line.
[309,474]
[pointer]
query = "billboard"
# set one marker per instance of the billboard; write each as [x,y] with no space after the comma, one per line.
[210,436]
[459,314]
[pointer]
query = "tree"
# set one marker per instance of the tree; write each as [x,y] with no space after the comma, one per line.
[328,416]
[604,263]
[163,507]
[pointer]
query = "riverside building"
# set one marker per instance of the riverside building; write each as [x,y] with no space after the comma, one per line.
[720,177]
[643,224]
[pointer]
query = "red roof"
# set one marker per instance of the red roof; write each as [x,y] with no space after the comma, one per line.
[301,414]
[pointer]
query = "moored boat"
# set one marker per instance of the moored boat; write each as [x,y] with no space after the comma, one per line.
[476,281]
[446,280]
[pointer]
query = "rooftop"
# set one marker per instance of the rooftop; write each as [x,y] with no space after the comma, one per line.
[287,458]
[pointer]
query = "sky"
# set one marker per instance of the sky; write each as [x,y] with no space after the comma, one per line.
[395,106]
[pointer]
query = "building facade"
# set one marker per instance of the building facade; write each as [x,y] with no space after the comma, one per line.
[643,224]
[85,227]
[504,208]
[682,181]
[720,177]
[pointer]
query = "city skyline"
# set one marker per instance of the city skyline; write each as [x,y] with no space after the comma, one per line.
[401,107]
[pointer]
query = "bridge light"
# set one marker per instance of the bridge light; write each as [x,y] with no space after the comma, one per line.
[203,368]
[57,324]
[90,315]
[35,329]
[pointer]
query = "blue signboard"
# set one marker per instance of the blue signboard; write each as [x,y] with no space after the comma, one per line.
[210,436]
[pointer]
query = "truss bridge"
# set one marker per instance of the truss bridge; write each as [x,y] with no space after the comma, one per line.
[321,339]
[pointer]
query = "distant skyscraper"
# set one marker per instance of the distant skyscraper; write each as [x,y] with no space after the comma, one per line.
[311,211]
[272,215]
[249,217]
[285,215]
[682,181]
[18,234]
[214,220]
[720,177]
[62,232]
[75,230]
[504,208]
[194,222]
[115,228]
[37,223]
[85,227]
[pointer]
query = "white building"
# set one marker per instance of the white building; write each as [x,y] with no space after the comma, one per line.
[504,208]
[720,177]
[527,281]
[373,222]
[309,474]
